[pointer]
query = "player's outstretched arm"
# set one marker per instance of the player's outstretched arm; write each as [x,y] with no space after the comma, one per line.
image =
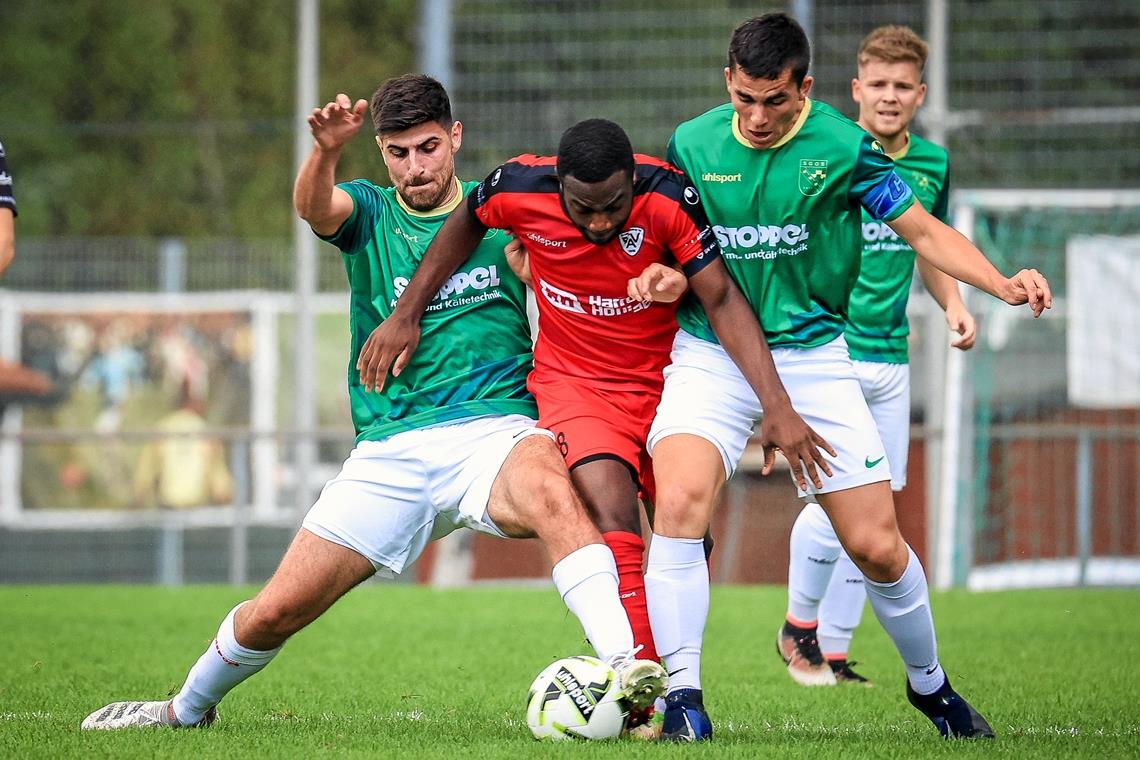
[949,251]
[316,197]
[658,282]
[7,238]
[738,331]
[944,288]
[393,342]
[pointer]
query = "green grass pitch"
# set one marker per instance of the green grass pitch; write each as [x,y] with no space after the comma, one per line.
[397,671]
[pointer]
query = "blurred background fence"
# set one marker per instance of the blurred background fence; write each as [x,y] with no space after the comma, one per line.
[152,151]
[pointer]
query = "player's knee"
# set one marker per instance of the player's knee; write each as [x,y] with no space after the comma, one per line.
[880,557]
[683,509]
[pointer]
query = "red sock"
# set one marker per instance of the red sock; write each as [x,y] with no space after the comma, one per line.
[629,552]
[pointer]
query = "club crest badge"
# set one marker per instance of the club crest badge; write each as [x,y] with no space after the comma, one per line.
[631,240]
[813,173]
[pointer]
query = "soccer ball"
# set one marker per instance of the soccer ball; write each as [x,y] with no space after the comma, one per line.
[575,697]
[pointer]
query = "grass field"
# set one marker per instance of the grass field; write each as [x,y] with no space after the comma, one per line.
[399,671]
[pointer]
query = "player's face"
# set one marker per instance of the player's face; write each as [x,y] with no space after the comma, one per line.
[767,108]
[888,94]
[421,163]
[598,209]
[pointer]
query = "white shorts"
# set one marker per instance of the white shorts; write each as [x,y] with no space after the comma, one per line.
[887,390]
[705,395]
[392,497]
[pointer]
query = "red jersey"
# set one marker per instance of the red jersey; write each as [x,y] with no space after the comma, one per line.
[589,327]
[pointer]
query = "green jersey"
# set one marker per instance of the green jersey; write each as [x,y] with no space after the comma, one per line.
[788,217]
[474,351]
[876,320]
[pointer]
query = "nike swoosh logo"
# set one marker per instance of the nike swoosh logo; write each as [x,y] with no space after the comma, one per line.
[869,463]
[675,672]
[929,672]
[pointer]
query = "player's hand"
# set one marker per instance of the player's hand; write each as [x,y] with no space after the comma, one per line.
[961,321]
[1028,286]
[336,123]
[518,260]
[658,282]
[390,345]
[782,428]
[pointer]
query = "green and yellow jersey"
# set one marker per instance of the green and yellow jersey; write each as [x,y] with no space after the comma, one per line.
[475,348]
[877,326]
[788,217]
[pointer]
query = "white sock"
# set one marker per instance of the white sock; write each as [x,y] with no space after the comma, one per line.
[814,549]
[841,608]
[903,608]
[223,665]
[587,580]
[677,592]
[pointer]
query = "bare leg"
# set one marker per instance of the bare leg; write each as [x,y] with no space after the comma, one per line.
[312,575]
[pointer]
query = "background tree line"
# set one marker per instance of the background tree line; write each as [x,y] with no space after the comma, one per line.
[174,118]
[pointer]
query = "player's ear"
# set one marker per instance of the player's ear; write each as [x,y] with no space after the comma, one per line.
[379,143]
[805,88]
[921,95]
[456,135]
[855,89]
[728,78]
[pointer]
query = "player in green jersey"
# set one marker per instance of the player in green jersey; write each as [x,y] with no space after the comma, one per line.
[452,443]
[783,178]
[823,582]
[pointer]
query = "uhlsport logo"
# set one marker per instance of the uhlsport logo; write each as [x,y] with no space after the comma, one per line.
[631,240]
[692,197]
[813,173]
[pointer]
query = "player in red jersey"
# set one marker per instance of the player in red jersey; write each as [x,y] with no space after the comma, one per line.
[600,223]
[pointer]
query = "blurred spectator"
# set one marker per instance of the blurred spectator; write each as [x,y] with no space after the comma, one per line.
[185,470]
[115,370]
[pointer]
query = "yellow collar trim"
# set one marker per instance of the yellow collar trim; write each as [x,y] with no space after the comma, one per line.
[901,154]
[446,208]
[740,138]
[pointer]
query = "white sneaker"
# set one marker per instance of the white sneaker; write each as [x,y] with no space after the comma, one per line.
[640,681]
[140,714]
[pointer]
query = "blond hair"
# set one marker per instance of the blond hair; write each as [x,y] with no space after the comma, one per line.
[893,44]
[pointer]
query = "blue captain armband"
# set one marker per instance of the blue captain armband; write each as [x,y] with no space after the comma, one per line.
[889,198]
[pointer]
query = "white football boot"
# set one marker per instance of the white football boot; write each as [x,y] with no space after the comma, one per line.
[640,682]
[141,715]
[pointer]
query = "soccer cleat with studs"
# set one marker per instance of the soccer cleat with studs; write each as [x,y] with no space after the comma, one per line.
[951,715]
[640,682]
[686,719]
[799,649]
[140,715]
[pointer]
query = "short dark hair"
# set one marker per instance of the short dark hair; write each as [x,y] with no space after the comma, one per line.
[764,46]
[407,101]
[592,150]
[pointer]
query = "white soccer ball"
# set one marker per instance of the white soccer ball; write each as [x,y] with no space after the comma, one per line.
[575,697]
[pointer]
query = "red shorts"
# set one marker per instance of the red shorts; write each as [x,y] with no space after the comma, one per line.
[591,421]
